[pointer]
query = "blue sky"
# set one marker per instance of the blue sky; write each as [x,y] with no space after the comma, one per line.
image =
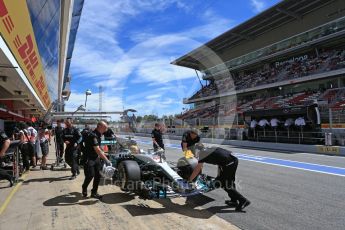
[127,46]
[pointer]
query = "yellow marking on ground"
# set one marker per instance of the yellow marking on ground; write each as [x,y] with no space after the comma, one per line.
[10,196]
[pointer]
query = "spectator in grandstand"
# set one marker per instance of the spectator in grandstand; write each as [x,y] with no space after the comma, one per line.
[189,140]
[157,137]
[4,144]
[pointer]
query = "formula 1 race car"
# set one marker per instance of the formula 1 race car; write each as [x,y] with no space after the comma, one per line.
[149,175]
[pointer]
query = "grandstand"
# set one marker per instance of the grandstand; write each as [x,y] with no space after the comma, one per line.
[289,57]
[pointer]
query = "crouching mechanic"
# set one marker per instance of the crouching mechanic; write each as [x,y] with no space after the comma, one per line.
[227,166]
[93,153]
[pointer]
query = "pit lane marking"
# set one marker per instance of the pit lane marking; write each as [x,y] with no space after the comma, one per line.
[318,168]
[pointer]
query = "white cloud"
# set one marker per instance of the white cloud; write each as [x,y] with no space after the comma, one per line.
[153,96]
[99,58]
[258,5]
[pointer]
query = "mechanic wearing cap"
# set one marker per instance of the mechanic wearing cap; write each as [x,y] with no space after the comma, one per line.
[93,165]
[4,144]
[72,138]
[189,140]
[157,137]
[227,166]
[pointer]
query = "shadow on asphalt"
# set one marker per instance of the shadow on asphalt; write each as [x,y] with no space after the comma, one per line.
[190,208]
[117,198]
[49,179]
[73,198]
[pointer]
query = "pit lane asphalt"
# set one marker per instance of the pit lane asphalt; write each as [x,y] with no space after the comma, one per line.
[282,198]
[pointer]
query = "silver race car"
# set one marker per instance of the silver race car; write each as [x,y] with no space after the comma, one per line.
[149,175]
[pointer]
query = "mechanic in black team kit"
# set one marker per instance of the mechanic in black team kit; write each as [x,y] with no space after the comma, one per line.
[84,134]
[72,138]
[94,154]
[157,137]
[58,132]
[189,140]
[227,166]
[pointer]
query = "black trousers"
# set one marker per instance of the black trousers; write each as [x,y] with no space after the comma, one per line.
[59,149]
[227,174]
[26,151]
[91,171]
[71,158]
[4,175]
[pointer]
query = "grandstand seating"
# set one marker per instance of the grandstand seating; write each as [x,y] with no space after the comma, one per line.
[326,61]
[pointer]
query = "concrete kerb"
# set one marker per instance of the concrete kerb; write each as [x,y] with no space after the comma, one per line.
[314,149]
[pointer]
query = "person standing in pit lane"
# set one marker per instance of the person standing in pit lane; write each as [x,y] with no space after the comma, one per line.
[4,144]
[58,132]
[85,132]
[94,154]
[157,137]
[72,138]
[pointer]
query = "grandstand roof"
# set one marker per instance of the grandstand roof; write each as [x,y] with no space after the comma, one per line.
[276,16]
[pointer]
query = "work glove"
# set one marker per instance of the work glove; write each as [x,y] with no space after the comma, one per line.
[188,154]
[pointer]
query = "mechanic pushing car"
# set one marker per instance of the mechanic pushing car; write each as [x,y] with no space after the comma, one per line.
[227,166]
[189,140]
[94,154]
[72,138]
[157,137]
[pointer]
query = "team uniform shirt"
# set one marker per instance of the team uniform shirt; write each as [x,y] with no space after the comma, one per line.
[300,121]
[289,122]
[187,139]
[157,135]
[274,122]
[72,135]
[92,140]
[253,124]
[263,122]
[215,156]
[109,134]
[58,131]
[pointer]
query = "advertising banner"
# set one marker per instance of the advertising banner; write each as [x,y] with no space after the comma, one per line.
[16,29]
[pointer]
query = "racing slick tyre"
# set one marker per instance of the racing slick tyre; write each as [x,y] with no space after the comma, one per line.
[129,175]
